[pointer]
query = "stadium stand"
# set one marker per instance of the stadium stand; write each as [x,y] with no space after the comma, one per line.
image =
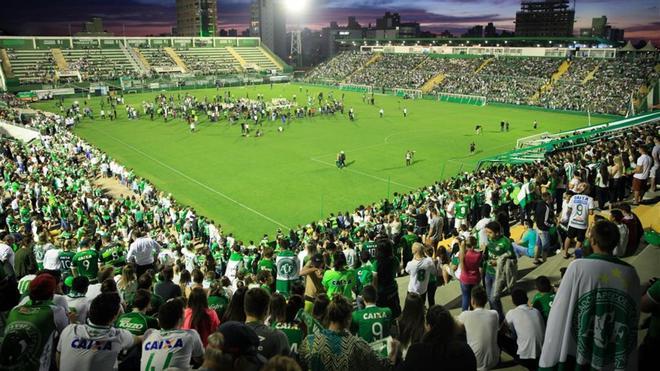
[67,209]
[32,65]
[596,85]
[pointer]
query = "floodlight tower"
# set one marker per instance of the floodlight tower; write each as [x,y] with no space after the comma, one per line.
[296,9]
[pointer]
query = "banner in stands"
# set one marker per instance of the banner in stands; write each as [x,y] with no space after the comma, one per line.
[43,94]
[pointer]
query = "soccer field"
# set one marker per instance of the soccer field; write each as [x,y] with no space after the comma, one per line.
[254,185]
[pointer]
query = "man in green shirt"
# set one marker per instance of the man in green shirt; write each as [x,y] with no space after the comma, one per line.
[544,298]
[406,243]
[339,279]
[137,321]
[113,254]
[499,246]
[86,262]
[365,272]
[371,323]
[460,212]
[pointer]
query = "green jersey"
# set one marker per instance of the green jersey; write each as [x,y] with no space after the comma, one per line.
[114,255]
[293,333]
[218,303]
[340,282]
[370,246]
[543,302]
[266,264]
[86,264]
[365,275]
[372,323]
[494,250]
[136,323]
[28,331]
[313,326]
[460,210]
[66,258]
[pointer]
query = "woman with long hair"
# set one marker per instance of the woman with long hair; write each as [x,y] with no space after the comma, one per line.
[411,322]
[236,309]
[602,185]
[335,348]
[440,345]
[198,316]
[127,284]
[618,184]
[276,309]
[185,282]
[470,264]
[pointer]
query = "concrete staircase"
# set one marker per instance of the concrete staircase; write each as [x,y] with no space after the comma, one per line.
[143,61]
[175,57]
[270,57]
[483,65]
[6,64]
[433,82]
[561,70]
[237,56]
[60,61]
[375,58]
[590,75]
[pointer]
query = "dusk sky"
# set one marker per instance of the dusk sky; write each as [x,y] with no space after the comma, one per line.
[640,19]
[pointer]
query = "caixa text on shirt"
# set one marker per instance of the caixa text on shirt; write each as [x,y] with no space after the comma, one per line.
[166,344]
[90,344]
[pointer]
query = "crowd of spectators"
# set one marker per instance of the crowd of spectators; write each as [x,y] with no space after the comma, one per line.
[154,283]
[610,88]
[207,66]
[513,80]
[339,67]
[408,72]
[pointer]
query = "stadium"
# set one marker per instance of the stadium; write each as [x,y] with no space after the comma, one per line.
[194,201]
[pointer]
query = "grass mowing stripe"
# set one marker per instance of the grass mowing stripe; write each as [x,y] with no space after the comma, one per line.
[197,182]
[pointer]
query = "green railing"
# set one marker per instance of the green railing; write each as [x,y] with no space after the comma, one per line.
[568,139]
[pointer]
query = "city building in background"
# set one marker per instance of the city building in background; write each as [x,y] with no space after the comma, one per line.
[93,27]
[600,28]
[545,18]
[268,22]
[196,18]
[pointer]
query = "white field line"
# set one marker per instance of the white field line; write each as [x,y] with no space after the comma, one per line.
[199,183]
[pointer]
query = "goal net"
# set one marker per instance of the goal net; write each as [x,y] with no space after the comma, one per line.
[356,87]
[477,100]
[534,140]
[408,93]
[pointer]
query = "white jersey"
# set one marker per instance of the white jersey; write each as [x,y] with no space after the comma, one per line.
[580,206]
[351,258]
[52,259]
[163,349]
[481,326]
[594,316]
[91,347]
[420,271]
[78,304]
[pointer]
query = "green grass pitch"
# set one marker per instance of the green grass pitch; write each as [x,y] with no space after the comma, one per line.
[254,185]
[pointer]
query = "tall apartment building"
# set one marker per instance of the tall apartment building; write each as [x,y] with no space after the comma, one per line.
[196,18]
[545,18]
[268,22]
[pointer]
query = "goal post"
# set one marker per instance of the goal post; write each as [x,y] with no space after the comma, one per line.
[477,100]
[534,140]
[410,93]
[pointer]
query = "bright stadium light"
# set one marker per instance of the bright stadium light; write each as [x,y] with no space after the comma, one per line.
[296,7]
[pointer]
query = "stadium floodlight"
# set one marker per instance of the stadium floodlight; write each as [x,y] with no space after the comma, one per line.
[296,7]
